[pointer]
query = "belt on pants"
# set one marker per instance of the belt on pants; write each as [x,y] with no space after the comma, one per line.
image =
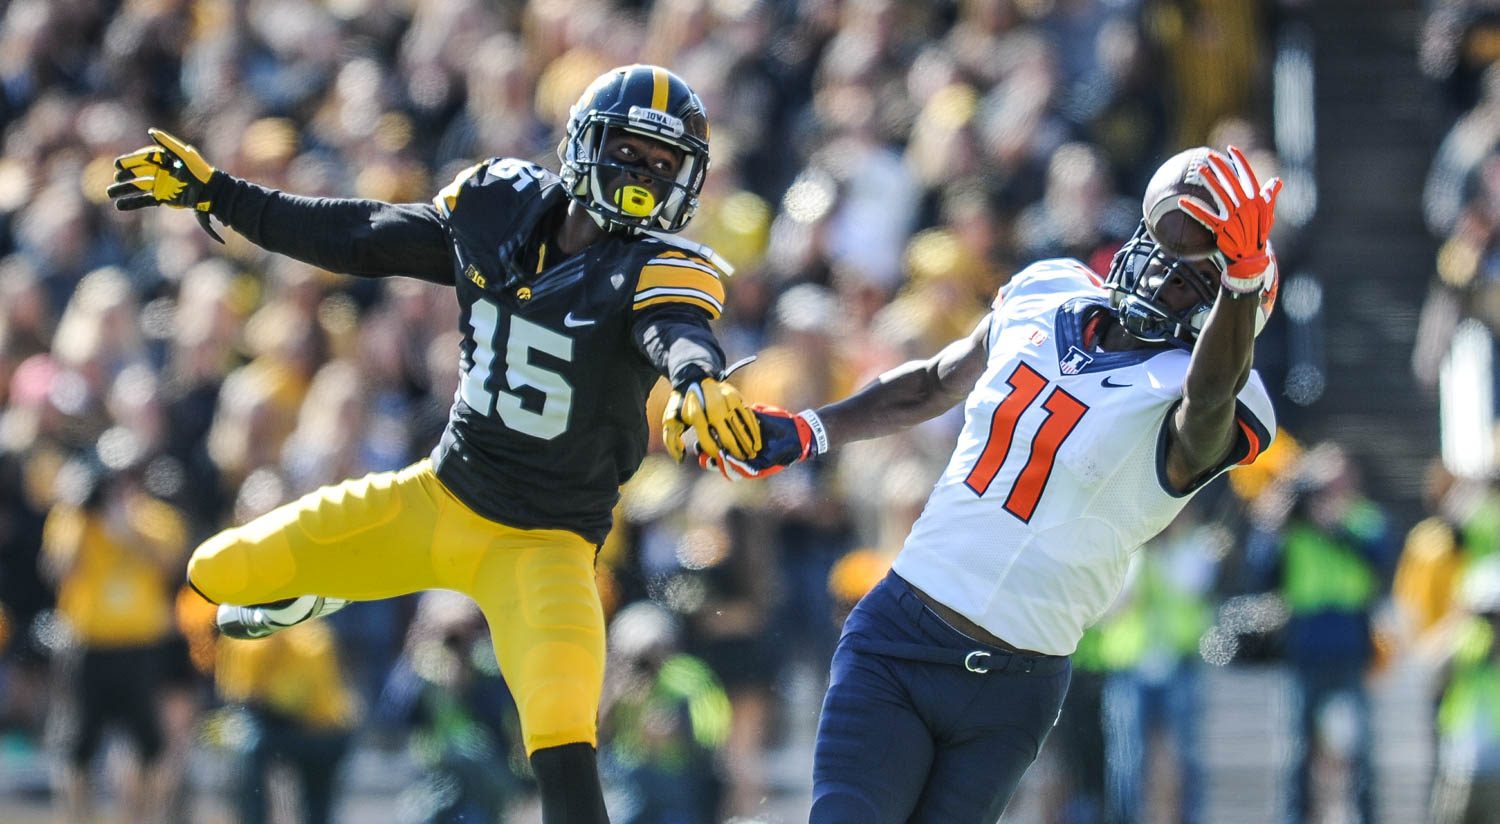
[977,661]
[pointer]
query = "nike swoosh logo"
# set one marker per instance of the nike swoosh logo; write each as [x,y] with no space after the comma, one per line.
[572,322]
[1106,382]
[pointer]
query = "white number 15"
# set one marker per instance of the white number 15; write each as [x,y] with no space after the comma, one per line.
[524,337]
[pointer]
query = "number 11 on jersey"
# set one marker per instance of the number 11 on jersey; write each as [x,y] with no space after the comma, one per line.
[1063,414]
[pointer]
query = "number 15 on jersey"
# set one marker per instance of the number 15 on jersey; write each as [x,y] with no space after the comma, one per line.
[1063,414]
[524,337]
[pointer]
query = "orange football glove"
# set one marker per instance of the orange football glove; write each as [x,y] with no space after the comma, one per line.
[788,439]
[1244,227]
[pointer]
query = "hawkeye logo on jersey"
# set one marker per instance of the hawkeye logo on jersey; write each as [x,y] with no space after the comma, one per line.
[1075,361]
[472,273]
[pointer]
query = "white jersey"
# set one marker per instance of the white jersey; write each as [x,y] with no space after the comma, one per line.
[1058,473]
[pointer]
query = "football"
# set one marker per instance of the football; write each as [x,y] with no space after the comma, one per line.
[1173,229]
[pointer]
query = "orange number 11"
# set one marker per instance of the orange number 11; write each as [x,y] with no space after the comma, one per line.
[1063,414]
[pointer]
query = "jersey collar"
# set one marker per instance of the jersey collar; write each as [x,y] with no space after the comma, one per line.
[1072,322]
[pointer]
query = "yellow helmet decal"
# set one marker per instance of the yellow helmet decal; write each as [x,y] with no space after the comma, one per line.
[659,88]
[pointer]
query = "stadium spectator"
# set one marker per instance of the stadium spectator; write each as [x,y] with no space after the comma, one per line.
[1463,527]
[665,718]
[113,552]
[1457,47]
[729,548]
[463,733]
[26,320]
[29,458]
[1331,553]
[300,712]
[1080,215]
[1467,786]
[1155,680]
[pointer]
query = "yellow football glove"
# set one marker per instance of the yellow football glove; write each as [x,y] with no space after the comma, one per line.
[717,415]
[171,173]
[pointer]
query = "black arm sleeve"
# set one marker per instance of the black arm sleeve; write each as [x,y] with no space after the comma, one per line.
[676,339]
[368,238]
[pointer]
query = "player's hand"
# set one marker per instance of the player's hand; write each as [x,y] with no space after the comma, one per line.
[788,439]
[1243,230]
[717,415]
[170,173]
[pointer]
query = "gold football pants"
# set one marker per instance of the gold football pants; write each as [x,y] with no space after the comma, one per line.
[392,533]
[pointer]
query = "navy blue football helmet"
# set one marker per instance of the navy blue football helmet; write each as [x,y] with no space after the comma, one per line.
[649,101]
[1138,277]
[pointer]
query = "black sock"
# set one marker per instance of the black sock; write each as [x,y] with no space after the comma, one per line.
[567,779]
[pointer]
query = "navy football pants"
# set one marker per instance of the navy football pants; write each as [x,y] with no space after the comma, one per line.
[903,740]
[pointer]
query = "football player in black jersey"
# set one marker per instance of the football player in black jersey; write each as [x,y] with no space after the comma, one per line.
[575,297]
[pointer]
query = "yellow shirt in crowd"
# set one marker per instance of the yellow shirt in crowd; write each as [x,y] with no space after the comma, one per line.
[294,673]
[115,588]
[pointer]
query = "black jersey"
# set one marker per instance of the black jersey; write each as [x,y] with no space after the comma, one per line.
[558,353]
[549,418]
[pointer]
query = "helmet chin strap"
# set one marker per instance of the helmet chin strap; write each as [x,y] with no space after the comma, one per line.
[1140,322]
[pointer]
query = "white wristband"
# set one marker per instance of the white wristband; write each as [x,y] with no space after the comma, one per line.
[1243,285]
[820,435]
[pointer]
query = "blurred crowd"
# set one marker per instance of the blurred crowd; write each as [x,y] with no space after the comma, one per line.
[1450,570]
[880,168]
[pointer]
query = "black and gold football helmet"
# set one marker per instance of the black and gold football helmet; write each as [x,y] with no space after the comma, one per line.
[649,101]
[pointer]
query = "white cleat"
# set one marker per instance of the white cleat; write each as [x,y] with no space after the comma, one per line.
[260,620]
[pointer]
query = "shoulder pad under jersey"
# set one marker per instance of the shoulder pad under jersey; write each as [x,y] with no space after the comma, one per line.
[1052,276]
[503,181]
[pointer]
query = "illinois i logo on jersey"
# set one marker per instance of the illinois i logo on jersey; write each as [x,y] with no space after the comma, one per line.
[1075,361]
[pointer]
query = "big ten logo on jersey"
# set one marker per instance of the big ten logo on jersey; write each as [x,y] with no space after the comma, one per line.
[1075,361]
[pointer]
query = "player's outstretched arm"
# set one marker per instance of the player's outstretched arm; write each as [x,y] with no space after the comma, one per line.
[903,397]
[1203,428]
[911,393]
[356,237]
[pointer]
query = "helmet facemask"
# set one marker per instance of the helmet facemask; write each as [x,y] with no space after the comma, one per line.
[1138,279]
[590,176]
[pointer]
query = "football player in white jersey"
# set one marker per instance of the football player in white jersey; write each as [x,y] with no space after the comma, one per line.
[1093,409]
